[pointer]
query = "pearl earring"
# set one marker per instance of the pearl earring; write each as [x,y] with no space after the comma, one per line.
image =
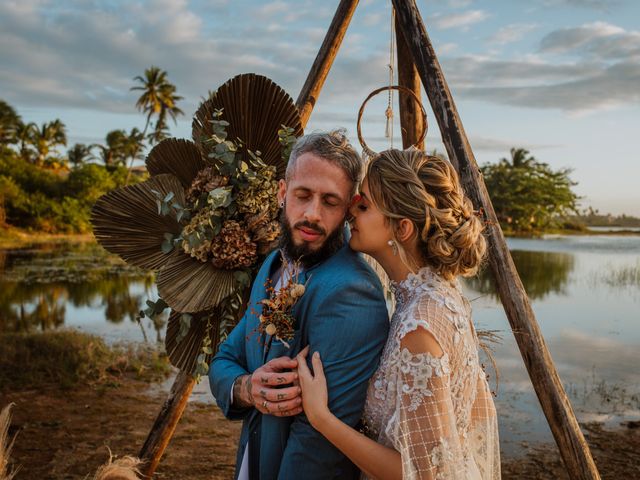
[394,246]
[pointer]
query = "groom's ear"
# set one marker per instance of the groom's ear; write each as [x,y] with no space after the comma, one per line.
[282,191]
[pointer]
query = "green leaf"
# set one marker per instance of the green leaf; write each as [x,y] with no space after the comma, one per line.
[220,197]
[166,246]
[242,277]
[185,325]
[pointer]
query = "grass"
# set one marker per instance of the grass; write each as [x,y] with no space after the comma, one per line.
[12,237]
[66,358]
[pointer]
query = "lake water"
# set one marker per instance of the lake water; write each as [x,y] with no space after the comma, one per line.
[585,292]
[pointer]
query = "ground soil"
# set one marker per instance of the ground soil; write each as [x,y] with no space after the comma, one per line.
[67,434]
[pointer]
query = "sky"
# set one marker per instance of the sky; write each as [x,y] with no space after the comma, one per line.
[560,78]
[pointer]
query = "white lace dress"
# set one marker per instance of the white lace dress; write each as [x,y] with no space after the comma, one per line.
[438,412]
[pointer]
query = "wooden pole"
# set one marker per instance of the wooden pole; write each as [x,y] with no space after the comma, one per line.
[166,423]
[411,122]
[322,64]
[546,382]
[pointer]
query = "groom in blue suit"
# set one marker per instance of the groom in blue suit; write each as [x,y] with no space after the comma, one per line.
[342,314]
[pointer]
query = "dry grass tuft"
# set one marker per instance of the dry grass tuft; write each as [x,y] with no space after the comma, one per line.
[5,446]
[125,468]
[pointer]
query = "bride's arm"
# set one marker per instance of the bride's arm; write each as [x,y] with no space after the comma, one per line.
[376,460]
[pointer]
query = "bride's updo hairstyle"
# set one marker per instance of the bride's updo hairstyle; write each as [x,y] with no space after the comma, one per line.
[426,190]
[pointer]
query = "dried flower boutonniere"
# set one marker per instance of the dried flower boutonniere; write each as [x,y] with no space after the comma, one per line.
[276,318]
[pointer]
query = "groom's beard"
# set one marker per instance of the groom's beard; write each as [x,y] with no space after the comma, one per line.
[302,252]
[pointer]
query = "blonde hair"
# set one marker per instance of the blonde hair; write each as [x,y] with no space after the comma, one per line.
[426,190]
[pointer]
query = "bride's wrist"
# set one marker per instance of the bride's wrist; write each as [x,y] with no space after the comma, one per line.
[321,420]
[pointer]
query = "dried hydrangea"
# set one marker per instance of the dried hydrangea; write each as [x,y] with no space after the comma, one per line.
[264,232]
[262,190]
[206,180]
[232,247]
[199,223]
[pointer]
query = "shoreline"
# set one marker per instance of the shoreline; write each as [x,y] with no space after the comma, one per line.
[16,238]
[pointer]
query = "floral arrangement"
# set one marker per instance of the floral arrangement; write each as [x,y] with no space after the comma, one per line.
[276,319]
[208,213]
[232,205]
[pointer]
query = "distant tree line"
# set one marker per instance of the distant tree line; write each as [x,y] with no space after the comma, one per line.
[45,188]
[528,195]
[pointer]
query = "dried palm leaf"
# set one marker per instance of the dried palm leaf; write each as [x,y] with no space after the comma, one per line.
[178,157]
[189,285]
[5,445]
[126,221]
[256,109]
[183,353]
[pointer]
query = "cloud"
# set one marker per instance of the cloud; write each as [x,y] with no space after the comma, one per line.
[372,19]
[511,33]
[579,70]
[86,55]
[273,8]
[598,40]
[459,20]
[602,5]
[615,87]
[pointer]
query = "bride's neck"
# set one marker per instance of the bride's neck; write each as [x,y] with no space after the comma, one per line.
[395,269]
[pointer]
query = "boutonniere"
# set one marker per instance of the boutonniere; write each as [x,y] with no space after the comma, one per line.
[276,318]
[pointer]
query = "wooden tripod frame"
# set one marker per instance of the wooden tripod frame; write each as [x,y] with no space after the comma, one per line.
[417,62]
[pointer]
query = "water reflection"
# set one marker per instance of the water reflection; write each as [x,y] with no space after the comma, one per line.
[40,286]
[585,293]
[542,273]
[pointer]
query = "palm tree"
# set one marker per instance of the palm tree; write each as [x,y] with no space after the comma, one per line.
[159,133]
[133,148]
[113,153]
[158,97]
[47,138]
[78,154]
[520,158]
[25,133]
[9,123]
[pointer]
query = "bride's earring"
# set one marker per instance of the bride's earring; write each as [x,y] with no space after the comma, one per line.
[394,246]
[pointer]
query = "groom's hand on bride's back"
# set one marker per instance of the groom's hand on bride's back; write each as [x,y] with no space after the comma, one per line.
[272,389]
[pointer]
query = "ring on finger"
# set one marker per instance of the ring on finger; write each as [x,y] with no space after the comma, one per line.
[264,405]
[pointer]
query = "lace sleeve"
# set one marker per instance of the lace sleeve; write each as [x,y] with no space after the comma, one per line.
[426,435]
[484,441]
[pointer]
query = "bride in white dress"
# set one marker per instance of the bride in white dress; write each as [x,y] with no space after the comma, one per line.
[429,412]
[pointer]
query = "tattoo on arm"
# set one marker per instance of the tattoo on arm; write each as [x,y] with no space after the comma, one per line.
[247,386]
[240,386]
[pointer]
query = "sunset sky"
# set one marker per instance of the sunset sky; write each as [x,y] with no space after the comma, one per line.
[558,77]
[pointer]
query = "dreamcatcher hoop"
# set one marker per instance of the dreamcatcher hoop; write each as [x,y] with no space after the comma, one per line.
[365,148]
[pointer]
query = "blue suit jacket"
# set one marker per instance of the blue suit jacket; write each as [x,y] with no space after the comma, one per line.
[343,315]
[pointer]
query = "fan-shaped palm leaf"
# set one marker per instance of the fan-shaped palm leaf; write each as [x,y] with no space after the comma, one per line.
[256,108]
[184,353]
[126,221]
[177,157]
[189,285]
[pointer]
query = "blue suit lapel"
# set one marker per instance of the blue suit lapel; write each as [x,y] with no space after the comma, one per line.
[256,348]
